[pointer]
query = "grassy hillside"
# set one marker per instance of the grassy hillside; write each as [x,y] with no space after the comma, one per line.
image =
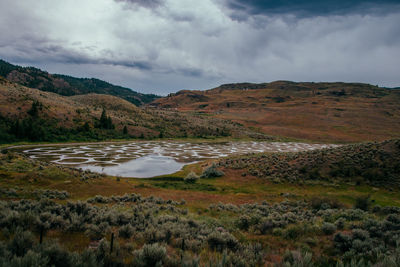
[331,112]
[233,220]
[34,115]
[375,164]
[67,85]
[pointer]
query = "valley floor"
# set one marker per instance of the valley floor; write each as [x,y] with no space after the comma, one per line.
[238,219]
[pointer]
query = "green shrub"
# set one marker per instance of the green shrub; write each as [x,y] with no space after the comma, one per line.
[293,232]
[126,231]
[222,240]
[149,255]
[56,255]
[328,228]
[102,251]
[191,178]
[31,259]
[277,232]
[360,234]
[211,172]
[297,259]
[342,241]
[94,232]
[377,209]
[21,243]
[264,226]
[392,260]
[340,223]
[243,223]
[99,199]
[325,203]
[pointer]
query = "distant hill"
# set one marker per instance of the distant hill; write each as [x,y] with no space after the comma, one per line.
[32,115]
[67,85]
[326,112]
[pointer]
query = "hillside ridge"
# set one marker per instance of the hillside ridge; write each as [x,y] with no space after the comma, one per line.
[67,85]
[324,112]
[28,114]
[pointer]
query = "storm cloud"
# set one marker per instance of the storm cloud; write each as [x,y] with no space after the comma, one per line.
[313,7]
[162,46]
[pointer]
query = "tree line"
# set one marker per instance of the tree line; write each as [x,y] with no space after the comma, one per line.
[36,127]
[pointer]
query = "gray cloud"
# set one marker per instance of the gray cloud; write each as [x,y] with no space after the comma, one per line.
[29,52]
[307,8]
[144,3]
[167,46]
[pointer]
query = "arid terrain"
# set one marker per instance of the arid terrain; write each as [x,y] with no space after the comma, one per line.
[219,133]
[199,178]
[71,113]
[242,215]
[331,112]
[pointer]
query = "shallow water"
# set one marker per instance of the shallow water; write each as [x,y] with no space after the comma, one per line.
[152,158]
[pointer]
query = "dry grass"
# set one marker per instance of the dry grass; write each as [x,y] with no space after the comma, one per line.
[74,111]
[303,110]
[233,187]
[26,175]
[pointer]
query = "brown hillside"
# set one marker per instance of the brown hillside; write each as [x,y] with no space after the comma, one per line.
[340,112]
[16,100]
[66,85]
[105,101]
[74,111]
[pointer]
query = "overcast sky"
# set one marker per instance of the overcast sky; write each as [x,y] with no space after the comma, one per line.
[162,46]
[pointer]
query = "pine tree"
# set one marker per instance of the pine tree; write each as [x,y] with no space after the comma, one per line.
[86,127]
[16,129]
[103,120]
[109,125]
[34,111]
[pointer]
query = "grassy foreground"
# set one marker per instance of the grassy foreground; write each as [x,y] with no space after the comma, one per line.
[239,219]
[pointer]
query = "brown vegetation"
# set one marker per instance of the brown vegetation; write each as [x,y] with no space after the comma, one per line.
[331,112]
[82,111]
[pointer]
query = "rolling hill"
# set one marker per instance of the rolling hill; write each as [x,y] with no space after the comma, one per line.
[327,112]
[67,85]
[32,114]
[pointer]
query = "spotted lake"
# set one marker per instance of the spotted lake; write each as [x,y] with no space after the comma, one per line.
[144,159]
